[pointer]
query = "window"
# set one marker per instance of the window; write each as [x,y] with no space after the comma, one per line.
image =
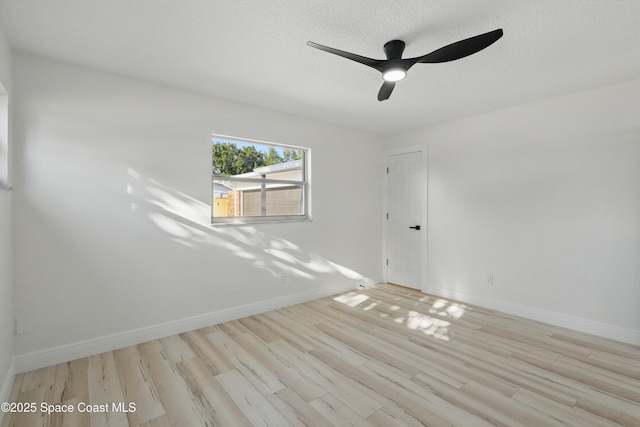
[255,181]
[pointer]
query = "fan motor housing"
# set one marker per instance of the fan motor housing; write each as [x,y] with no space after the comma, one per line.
[393,49]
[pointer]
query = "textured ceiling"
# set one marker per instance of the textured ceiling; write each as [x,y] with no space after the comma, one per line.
[254,51]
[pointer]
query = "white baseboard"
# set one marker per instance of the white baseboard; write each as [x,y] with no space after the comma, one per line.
[5,391]
[67,352]
[613,332]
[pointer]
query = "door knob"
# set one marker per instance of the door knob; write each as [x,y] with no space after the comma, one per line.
[417,227]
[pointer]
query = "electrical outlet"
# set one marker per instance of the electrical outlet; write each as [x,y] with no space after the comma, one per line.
[490,278]
[366,283]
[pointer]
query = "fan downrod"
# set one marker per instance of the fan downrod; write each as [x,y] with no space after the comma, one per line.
[393,49]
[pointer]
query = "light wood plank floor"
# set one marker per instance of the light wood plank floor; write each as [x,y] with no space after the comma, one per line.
[385,356]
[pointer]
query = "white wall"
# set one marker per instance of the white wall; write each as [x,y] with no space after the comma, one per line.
[112,191]
[546,197]
[6,288]
[112,208]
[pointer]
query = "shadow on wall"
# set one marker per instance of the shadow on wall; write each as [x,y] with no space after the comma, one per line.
[186,221]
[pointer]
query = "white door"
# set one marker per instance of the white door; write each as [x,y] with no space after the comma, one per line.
[405,232]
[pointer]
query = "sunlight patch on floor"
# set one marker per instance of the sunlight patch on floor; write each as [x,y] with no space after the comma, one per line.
[433,326]
[352,299]
[437,328]
[455,311]
[371,306]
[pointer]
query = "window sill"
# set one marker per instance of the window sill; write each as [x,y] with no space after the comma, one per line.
[5,187]
[243,222]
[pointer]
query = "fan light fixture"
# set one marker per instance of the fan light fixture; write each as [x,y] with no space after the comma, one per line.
[394,74]
[395,67]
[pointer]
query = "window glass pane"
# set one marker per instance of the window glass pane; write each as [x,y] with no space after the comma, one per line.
[258,181]
[255,199]
[284,201]
[254,180]
[234,157]
[290,171]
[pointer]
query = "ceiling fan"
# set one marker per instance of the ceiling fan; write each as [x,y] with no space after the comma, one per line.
[395,68]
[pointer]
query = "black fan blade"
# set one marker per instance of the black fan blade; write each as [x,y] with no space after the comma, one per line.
[374,63]
[460,49]
[385,90]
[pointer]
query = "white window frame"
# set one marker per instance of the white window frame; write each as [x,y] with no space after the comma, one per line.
[304,184]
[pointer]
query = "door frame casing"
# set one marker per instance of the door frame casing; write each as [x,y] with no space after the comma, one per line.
[386,153]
